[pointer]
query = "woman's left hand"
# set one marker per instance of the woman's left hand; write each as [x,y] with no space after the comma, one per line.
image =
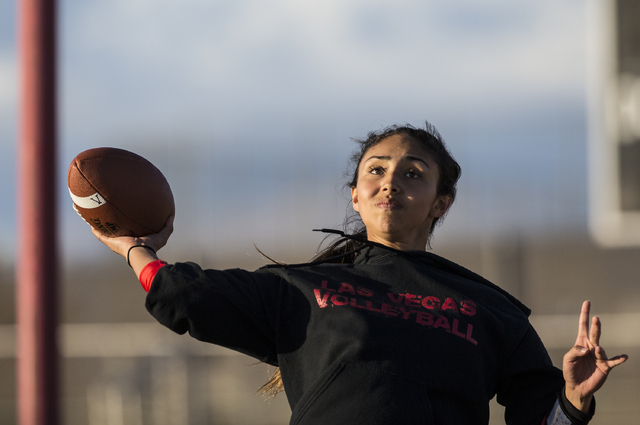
[586,365]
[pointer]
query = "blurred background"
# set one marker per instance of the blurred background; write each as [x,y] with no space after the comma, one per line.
[249,107]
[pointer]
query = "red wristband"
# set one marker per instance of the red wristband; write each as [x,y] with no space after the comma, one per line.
[149,272]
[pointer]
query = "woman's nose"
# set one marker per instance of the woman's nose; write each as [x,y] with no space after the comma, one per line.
[390,184]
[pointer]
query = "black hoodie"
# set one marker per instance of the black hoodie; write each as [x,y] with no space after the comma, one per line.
[395,338]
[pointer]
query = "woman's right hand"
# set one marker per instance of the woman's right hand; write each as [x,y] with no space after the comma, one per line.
[121,244]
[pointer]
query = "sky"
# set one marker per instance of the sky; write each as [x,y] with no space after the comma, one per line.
[249,107]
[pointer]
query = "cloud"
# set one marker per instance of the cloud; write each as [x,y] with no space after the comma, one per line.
[293,48]
[145,68]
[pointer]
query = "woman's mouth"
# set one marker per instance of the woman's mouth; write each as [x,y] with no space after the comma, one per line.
[387,204]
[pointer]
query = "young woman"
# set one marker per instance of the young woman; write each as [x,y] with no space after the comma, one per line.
[375,330]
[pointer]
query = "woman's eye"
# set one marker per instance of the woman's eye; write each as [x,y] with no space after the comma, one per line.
[376,170]
[413,174]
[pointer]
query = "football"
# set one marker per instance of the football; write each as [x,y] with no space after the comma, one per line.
[119,192]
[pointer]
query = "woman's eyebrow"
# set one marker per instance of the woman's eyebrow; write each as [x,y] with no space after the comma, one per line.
[409,157]
[415,158]
[382,157]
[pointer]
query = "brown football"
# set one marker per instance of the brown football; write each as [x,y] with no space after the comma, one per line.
[119,192]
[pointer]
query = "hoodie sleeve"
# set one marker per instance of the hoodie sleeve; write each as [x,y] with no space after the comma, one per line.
[529,383]
[234,308]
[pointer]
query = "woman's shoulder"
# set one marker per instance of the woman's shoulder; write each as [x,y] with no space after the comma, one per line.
[479,282]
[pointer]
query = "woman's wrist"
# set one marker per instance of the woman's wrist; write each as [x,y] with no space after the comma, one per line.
[137,246]
[138,256]
[582,403]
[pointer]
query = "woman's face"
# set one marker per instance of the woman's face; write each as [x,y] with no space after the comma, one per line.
[396,193]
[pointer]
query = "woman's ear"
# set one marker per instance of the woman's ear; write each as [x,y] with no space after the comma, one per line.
[354,199]
[441,205]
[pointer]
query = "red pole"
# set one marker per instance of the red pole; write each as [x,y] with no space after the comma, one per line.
[36,272]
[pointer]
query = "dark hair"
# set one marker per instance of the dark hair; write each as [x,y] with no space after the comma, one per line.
[431,140]
[449,173]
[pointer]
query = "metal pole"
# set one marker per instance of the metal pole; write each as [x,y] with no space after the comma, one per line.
[36,271]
